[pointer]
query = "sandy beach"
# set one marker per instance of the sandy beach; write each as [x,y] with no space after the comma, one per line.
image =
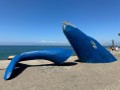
[72,75]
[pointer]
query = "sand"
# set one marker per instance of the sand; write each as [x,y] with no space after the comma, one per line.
[72,75]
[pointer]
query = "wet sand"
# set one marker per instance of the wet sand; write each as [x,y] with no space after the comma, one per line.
[72,75]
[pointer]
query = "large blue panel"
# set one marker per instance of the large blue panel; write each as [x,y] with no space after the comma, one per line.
[87,49]
[56,55]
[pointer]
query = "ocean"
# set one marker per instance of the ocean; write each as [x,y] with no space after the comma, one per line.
[6,51]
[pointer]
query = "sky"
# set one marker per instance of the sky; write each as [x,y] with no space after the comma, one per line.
[37,22]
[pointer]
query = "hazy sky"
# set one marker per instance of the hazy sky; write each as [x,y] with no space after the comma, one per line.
[40,21]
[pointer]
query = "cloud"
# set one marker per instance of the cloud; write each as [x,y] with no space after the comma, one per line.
[42,43]
[53,42]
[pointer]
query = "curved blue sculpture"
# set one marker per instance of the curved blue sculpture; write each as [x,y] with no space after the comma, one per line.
[58,56]
[87,49]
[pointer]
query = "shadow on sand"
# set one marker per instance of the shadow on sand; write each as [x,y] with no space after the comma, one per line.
[78,61]
[21,67]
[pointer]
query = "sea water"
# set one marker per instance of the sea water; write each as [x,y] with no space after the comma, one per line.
[7,50]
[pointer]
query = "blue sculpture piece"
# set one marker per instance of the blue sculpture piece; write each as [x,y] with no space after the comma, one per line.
[56,55]
[87,49]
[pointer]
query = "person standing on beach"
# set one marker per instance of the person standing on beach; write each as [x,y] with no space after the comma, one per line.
[116,48]
[112,48]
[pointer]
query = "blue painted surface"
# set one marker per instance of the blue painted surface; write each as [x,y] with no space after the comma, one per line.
[87,49]
[56,55]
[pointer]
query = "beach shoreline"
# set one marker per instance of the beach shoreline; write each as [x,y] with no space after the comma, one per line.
[72,75]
